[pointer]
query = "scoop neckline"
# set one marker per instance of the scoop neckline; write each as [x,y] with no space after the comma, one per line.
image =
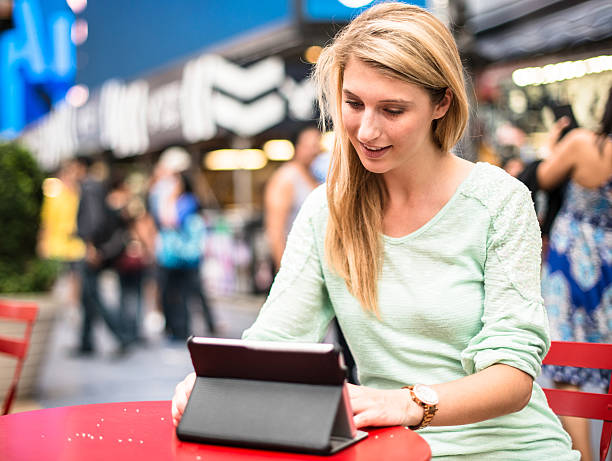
[441,212]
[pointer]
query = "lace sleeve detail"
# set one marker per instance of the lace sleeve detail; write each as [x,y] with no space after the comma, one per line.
[516,241]
[515,325]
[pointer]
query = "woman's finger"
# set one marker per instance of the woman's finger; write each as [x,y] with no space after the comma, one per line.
[181,396]
[365,418]
[178,406]
[359,405]
[560,124]
[190,382]
[563,121]
[176,416]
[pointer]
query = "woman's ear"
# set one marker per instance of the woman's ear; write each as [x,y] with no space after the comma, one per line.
[441,108]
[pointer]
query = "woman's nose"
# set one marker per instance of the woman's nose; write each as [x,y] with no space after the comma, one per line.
[368,128]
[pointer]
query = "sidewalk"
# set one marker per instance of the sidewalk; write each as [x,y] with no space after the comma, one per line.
[147,372]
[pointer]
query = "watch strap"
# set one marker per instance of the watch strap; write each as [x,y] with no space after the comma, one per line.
[428,410]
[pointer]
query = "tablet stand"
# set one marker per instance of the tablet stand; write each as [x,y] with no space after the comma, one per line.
[308,418]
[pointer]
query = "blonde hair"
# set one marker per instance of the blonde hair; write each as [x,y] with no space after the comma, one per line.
[407,43]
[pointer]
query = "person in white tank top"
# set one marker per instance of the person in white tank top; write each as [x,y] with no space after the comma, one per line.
[287,189]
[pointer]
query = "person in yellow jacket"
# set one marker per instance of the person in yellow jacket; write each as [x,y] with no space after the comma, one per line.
[58,237]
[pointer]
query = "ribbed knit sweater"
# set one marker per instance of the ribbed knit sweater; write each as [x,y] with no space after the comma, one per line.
[457,295]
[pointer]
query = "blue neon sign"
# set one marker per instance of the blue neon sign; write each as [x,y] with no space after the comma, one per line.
[37,65]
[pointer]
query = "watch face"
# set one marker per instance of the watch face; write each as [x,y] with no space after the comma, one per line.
[426,394]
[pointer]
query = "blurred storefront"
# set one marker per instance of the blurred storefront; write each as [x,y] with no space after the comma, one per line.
[249,85]
[237,93]
[529,57]
[222,105]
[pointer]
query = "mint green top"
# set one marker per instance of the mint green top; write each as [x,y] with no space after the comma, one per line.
[456,296]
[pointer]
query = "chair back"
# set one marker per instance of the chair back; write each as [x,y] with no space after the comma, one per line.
[578,403]
[17,311]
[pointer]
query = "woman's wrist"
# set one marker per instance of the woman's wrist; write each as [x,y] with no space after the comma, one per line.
[413,412]
[426,398]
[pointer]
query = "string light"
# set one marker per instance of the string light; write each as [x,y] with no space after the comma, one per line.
[77,5]
[79,32]
[235,159]
[77,95]
[279,149]
[355,3]
[558,72]
[312,53]
[52,187]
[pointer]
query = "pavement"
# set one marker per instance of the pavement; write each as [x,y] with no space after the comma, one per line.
[148,371]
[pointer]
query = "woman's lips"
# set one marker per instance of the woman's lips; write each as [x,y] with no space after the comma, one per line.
[374,152]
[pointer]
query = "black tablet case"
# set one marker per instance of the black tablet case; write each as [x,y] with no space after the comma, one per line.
[267,399]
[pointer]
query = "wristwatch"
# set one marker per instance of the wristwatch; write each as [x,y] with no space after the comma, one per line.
[426,397]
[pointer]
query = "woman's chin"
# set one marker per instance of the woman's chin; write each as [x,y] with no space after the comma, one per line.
[378,166]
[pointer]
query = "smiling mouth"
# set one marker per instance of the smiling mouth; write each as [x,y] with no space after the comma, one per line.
[374,152]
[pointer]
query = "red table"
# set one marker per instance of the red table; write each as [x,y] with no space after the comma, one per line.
[143,431]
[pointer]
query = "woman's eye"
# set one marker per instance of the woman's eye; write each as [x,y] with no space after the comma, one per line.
[354,104]
[394,111]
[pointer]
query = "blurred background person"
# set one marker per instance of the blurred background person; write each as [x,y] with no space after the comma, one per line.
[58,237]
[101,230]
[286,191]
[577,274]
[513,165]
[547,200]
[135,259]
[179,251]
[320,166]
[288,188]
[161,185]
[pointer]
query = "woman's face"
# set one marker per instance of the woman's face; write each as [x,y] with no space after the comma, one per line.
[387,120]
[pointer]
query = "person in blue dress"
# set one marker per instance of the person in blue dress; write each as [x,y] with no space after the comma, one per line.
[577,273]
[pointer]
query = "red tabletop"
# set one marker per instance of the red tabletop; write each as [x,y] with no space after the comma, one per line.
[143,431]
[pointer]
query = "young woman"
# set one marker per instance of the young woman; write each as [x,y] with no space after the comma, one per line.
[430,263]
[577,280]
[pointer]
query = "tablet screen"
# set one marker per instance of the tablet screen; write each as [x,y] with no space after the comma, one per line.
[309,363]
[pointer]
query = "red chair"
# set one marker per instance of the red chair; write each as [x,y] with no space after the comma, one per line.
[583,404]
[17,347]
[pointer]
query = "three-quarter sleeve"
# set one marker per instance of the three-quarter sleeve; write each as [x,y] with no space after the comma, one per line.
[298,307]
[514,322]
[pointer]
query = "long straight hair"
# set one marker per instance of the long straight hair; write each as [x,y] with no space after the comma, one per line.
[605,125]
[407,43]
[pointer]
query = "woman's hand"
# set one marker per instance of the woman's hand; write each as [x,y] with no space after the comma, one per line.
[375,407]
[181,395]
[555,132]
[92,256]
[560,157]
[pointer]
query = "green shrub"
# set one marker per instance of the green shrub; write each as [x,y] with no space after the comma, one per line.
[20,201]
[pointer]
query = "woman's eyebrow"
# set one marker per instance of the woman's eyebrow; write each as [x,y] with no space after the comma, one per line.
[350,94]
[396,101]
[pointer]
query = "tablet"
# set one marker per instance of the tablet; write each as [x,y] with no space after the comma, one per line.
[281,396]
[309,363]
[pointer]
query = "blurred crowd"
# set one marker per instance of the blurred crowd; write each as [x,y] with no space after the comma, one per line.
[151,232]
